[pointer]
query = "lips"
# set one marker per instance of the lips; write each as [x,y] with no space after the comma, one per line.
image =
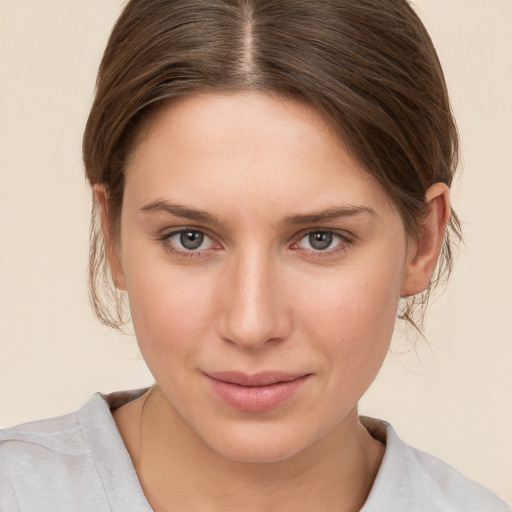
[256,393]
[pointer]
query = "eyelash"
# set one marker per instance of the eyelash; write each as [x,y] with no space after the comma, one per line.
[344,242]
[168,245]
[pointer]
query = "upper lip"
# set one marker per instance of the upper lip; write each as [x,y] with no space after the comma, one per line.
[257,379]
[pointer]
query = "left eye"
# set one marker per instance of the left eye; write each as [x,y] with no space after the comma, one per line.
[320,240]
[190,240]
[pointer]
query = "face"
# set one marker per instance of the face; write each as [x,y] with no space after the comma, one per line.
[263,267]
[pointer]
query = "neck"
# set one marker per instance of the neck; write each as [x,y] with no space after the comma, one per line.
[334,473]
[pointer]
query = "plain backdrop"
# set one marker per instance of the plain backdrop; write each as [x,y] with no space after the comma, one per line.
[450,396]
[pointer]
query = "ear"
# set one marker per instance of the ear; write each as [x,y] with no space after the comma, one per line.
[424,252]
[100,195]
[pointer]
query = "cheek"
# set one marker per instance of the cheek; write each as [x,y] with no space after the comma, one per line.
[355,301]
[169,306]
[352,316]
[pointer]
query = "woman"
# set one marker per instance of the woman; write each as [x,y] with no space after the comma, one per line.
[269,180]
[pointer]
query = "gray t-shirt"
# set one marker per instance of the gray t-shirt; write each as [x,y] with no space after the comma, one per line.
[78,463]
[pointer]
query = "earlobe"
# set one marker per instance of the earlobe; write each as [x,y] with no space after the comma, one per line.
[111,247]
[425,251]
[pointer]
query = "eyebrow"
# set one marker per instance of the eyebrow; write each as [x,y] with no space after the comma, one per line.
[179,210]
[329,214]
[162,206]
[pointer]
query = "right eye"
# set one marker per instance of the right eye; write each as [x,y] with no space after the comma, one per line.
[188,242]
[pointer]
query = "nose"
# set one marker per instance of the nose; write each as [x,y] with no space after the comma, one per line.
[254,312]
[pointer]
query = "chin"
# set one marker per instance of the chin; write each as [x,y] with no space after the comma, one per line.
[258,445]
[262,453]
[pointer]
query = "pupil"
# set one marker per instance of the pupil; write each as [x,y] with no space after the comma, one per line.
[320,240]
[191,239]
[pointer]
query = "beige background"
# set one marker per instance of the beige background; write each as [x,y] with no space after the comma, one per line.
[451,397]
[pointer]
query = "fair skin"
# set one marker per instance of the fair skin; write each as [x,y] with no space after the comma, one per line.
[252,242]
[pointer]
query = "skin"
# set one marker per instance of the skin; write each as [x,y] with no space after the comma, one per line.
[257,296]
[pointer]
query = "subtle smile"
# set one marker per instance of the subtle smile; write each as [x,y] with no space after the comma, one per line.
[255,393]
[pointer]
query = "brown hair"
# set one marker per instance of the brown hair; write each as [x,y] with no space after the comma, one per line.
[369,66]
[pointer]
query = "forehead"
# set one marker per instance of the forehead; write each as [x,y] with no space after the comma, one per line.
[244,149]
[236,118]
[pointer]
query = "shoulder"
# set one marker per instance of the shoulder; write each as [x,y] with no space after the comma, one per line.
[441,484]
[410,479]
[39,447]
[62,463]
[60,434]
[46,465]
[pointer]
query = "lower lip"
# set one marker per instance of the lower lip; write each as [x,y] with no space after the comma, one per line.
[256,398]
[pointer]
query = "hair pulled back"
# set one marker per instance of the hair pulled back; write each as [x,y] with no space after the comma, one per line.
[369,66]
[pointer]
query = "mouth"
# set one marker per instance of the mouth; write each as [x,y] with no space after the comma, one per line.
[256,393]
